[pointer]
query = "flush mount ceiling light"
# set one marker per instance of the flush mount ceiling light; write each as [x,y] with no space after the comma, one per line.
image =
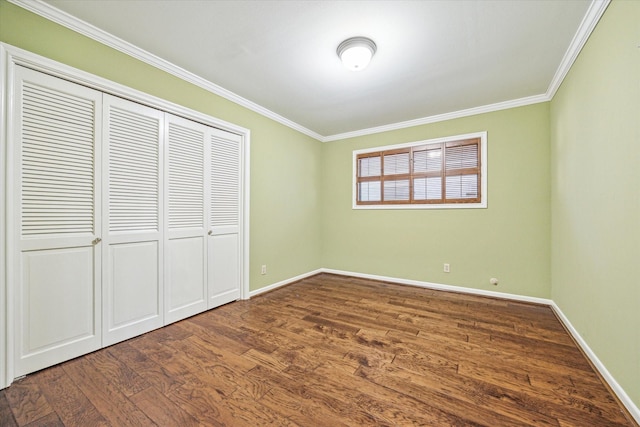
[356,52]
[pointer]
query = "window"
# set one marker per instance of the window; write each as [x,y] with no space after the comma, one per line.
[442,173]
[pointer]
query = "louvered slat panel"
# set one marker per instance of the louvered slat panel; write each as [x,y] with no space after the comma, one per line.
[186,177]
[133,171]
[225,182]
[57,155]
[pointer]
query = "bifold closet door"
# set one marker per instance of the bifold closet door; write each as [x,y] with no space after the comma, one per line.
[224,245]
[186,233]
[133,199]
[56,209]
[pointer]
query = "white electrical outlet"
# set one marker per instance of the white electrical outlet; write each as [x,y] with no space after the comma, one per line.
[447,268]
[263,269]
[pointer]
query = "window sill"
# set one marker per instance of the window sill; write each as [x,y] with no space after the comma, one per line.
[482,205]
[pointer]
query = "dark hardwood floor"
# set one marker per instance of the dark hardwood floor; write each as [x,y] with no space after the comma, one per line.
[331,351]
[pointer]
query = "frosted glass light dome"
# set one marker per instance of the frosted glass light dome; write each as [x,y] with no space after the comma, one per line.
[356,53]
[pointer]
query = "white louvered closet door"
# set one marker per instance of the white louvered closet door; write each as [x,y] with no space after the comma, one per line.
[225,260]
[57,201]
[186,233]
[133,199]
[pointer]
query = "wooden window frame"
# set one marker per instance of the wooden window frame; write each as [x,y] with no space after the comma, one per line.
[445,145]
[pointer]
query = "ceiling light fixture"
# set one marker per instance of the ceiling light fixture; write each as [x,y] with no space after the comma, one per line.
[356,52]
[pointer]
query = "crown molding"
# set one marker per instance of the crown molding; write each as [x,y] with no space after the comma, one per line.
[535,99]
[60,17]
[589,22]
[591,18]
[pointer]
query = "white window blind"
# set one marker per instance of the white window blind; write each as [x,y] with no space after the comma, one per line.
[462,187]
[370,166]
[369,191]
[427,188]
[395,190]
[427,160]
[396,164]
[445,172]
[461,157]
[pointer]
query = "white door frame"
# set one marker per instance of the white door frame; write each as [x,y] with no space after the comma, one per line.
[4,306]
[10,57]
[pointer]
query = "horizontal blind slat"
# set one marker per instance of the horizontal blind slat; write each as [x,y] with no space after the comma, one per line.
[461,157]
[396,190]
[427,188]
[370,166]
[395,164]
[462,187]
[429,160]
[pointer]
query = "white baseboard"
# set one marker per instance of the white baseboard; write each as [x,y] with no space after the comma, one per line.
[441,287]
[617,389]
[284,283]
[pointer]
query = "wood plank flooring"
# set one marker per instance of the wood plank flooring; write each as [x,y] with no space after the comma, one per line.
[331,351]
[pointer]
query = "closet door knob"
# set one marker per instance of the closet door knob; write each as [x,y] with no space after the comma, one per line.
[210,233]
[96,241]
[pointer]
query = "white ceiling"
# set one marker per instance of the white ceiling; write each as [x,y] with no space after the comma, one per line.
[433,58]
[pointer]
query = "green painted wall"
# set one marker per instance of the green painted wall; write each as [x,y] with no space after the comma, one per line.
[595,169]
[285,164]
[509,240]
